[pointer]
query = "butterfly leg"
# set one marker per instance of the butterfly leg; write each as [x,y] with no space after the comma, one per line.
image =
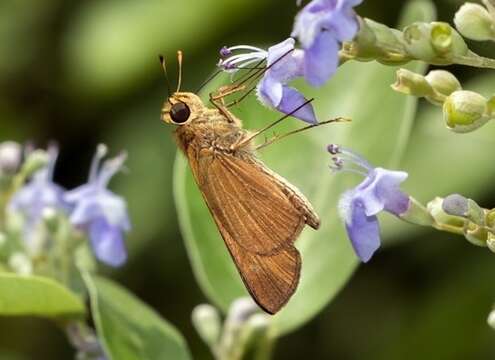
[218,99]
[279,137]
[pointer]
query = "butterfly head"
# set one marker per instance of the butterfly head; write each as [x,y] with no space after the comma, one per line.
[180,108]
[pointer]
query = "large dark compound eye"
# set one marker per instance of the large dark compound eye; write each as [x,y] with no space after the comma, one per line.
[180,113]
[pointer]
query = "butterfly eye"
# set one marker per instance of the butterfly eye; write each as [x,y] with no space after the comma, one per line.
[180,113]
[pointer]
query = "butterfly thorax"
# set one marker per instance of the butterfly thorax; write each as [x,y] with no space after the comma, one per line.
[211,131]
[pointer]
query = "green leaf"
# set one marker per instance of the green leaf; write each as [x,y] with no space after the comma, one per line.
[380,129]
[128,328]
[36,296]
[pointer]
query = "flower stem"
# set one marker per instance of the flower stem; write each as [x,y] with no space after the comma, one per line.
[475,60]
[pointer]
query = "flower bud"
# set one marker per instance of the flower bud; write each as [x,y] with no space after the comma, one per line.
[443,82]
[464,111]
[446,41]
[456,205]
[375,41]
[256,328]
[436,210]
[436,42]
[490,242]
[410,83]
[475,22]
[490,219]
[241,310]
[206,321]
[10,157]
[35,161]
[476,235]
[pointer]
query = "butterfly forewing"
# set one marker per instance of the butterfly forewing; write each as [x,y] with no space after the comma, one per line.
[259,220]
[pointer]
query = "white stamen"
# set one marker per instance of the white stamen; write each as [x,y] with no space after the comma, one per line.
[245,47]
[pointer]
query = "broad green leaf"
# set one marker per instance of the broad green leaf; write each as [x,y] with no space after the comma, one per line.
[36,296]
[440,162]
[128,328]
[380,129]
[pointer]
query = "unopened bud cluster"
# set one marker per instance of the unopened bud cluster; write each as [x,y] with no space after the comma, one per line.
[435,43]
[463,111]
[244,327]
[463,216]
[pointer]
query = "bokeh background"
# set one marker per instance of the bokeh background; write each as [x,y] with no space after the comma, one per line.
[85,72]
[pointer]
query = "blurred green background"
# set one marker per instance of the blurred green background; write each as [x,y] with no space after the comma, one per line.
[84,72]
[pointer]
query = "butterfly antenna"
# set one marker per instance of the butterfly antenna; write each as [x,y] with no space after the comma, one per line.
[164,67]
[179,60]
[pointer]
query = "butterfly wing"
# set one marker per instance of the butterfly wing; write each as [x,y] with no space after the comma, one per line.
[259,217]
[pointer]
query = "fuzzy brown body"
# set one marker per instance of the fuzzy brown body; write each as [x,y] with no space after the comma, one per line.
[258,213]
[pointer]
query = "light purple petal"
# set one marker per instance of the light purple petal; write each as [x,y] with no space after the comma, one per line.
[291,100]
[321,59]
[107,243]
[284,62]
[387,188]
[85,212]
[363,231]
[270,91]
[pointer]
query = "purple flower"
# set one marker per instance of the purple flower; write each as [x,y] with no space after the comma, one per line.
[38,195]
[283,64]
[321,27]
[358,207]
[100,212]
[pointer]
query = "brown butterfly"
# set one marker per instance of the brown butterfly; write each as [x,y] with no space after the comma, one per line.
[258,213]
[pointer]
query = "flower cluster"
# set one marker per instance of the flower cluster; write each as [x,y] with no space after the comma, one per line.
[92,208]
[321,27]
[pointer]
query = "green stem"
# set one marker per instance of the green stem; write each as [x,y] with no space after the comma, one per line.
[475,60]
[265,348]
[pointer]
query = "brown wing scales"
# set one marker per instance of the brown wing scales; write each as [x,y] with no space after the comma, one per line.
[258,221]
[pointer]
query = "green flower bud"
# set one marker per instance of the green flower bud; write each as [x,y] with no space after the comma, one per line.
[456,205]
[35,161]
[256,328]
[490,219]
[476,235]
[410,83]
[241,310]
[443,82]
[435,208]
[376,41]
[206,321]
[446,41]
[465,111]
[417,214]
[475,22]
[436,42]
[490,242]
[417,41]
